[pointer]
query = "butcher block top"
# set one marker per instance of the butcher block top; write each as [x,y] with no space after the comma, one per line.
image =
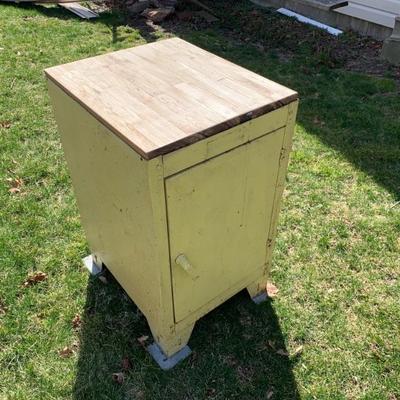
[166,95]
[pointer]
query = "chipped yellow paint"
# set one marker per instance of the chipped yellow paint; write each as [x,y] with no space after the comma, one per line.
[185,231]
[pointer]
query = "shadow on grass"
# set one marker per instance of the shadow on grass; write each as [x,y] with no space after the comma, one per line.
[232,354]
[355,114]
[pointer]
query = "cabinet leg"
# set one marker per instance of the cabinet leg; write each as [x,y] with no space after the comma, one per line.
[257,290]
[170,346]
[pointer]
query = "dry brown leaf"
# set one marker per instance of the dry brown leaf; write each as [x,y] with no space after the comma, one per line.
[76,321]
[282,352]
[66,352]
[159,14]
[142,340]
[317,121]
[298,350]
[118,377]
[271,344]
[126,364]
[34,278]
[3,308]
[272,290]
[210,393]
[374,348]
[15,184]
[270,393]
[5,124]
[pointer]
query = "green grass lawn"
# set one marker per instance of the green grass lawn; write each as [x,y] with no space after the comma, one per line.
[333,330]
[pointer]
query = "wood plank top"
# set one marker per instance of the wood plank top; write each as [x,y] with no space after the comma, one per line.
[166,95]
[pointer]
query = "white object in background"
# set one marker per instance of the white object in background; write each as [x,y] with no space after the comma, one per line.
[302,18]
[382,12]
[79,10]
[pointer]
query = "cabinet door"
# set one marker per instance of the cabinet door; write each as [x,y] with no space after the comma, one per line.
[219,215]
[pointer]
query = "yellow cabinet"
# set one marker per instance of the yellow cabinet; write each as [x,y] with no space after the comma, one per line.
[177,159]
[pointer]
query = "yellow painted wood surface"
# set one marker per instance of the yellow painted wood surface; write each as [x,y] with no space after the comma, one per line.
[213,206]
[229,139]
[113,190]
[219,214]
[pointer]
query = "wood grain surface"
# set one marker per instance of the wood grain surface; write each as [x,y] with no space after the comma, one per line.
[165,95]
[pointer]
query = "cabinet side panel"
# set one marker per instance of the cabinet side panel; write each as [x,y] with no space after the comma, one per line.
[111,184]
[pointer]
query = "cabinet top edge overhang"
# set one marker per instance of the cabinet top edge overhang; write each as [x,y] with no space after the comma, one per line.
[165,95]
